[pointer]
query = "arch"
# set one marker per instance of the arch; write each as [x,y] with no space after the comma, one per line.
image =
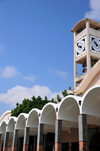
[48,114]
[91,102]
[69,108]
[11,124]
[5,116]
[3,127]
[33,118]
[21,121]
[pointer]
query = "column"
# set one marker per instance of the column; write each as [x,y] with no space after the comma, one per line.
[0,141]
[6,139]
[88,46]
[83,134]
[75,64]
[26,139]
[15,138]
[40,144]
[58,135]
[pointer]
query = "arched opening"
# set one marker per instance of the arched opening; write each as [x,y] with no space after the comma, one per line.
[91,108]
[2,133]
[94,143]
[20,126]
[32,123]
[10,130]
[68,112]
[48,117]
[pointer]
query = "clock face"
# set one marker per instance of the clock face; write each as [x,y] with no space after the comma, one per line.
[80,46]
[94,44]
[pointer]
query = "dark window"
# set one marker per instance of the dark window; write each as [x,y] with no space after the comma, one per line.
[20,143]
[65,146]
[94,144]
[2,147]
[74,146]
[49,141]
[32,143]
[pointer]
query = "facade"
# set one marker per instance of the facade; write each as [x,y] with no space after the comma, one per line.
[74,123]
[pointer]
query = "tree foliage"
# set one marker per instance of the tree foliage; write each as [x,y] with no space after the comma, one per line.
[34,102]
[64,93]
[29,104]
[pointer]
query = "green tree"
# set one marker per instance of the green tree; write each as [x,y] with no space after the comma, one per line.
[69,88]
[64,93]
[34,102]
[29,104]
[58,98]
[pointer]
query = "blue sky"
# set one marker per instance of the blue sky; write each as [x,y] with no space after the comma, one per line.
[36,46]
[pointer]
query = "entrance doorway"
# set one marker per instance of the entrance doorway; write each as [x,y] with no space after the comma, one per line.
[32,143]
[49,142]
[74,146]
[20,144]
[94,144]
[65,146]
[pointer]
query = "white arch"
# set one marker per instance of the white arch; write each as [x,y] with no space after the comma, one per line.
[21,121]
[3,127]
[33,118]
[48,114]
[69,108]
[6,115]
[91,102]
[11,124]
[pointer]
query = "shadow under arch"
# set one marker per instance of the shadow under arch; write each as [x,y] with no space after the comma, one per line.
[11,124]
[48,114]
[3,127]
[33,118]
[91,102]
[21,121]
[69,108]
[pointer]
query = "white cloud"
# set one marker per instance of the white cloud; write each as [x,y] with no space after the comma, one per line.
[11,71]
[61,74]
[30,77]
[94,12]
[8,72]
[18,93]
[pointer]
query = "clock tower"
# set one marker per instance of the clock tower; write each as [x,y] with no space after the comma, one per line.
[86,48]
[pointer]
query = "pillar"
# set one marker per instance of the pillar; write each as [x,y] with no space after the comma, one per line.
[15,138]
[6,139]
[88,46]
[26,139]
[58,135]
[40,144]
[0,141]
[83,134]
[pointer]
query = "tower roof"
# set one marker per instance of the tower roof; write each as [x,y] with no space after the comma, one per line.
[82,24]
